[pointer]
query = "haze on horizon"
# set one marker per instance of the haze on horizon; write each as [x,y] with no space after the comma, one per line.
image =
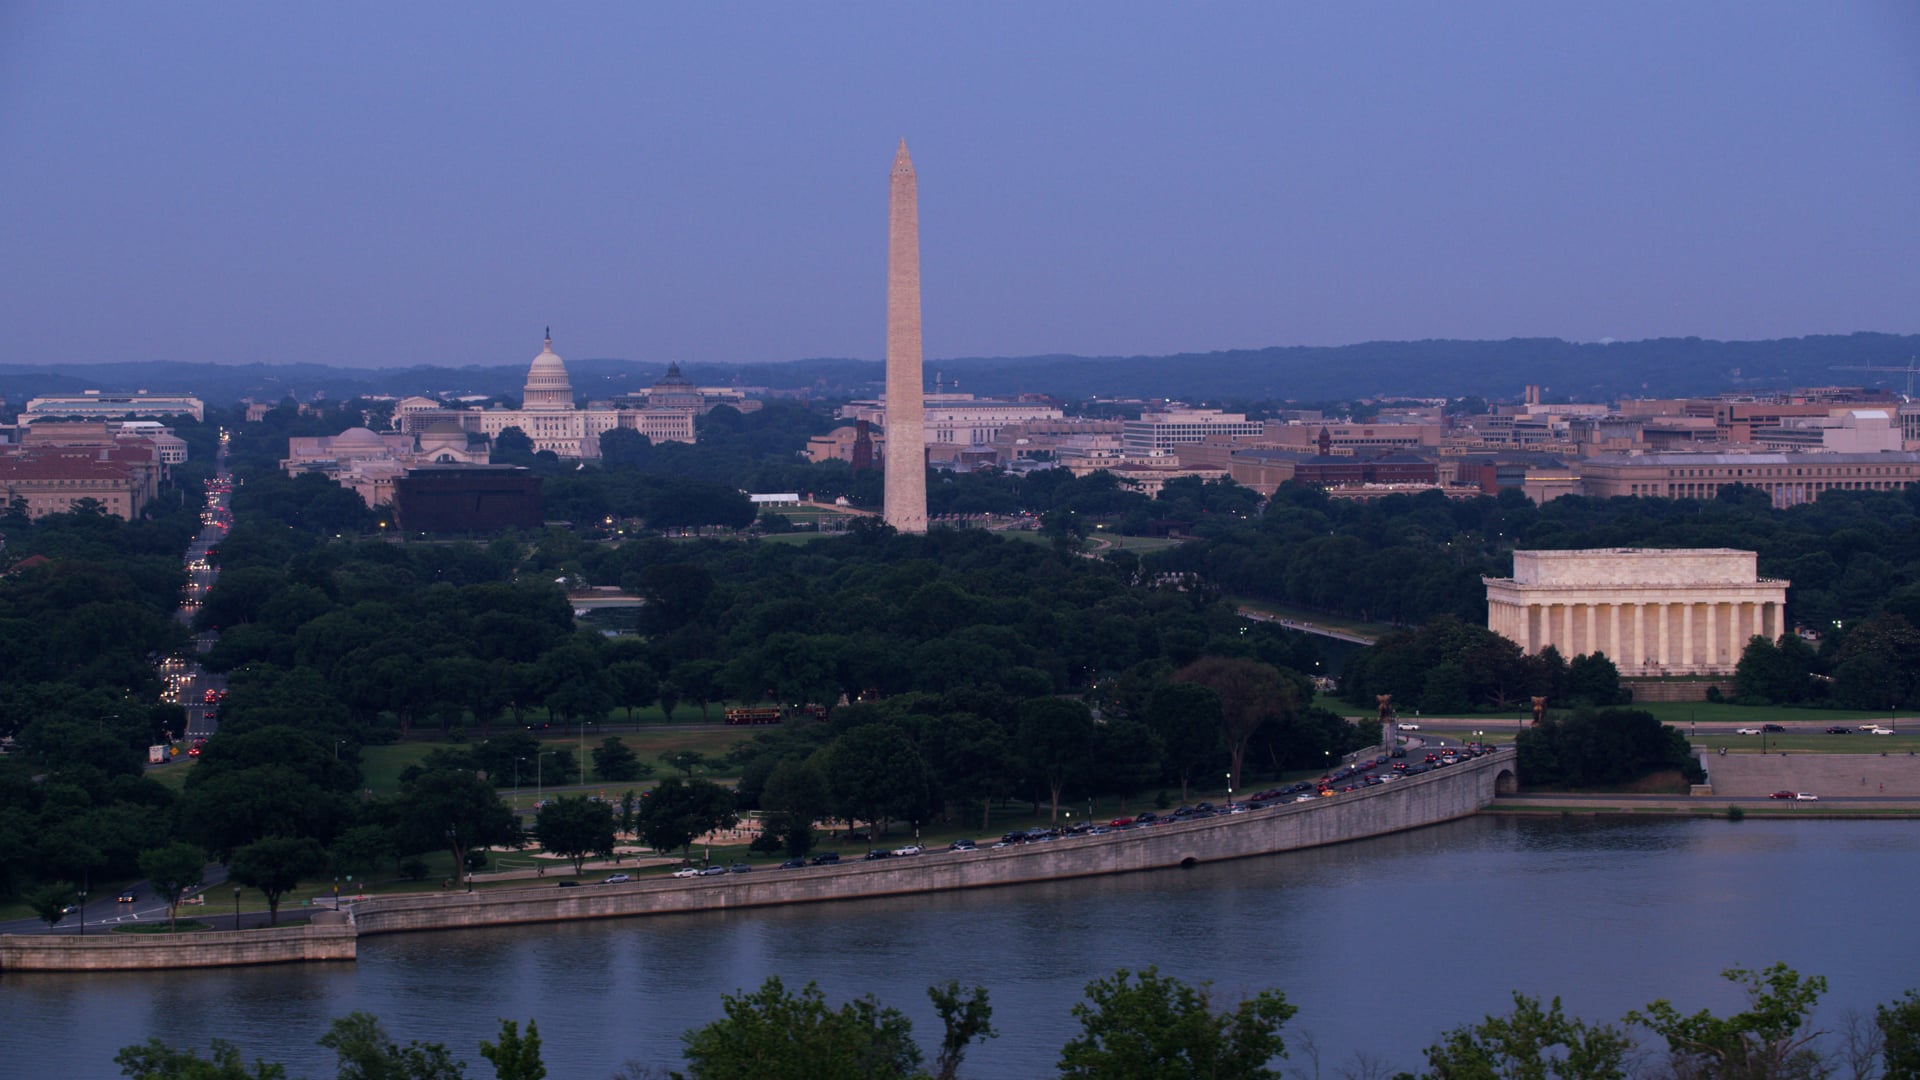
[381,185]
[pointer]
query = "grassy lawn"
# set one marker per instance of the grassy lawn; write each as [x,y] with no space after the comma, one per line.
[173,775]
[381,766]
[1300,614]
[1139,545]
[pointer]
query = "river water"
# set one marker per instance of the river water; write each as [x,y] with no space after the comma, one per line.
[1383,944]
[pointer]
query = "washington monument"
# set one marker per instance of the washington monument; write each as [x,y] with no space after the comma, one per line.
[906,479]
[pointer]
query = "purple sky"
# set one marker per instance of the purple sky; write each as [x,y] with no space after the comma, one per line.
[387,184]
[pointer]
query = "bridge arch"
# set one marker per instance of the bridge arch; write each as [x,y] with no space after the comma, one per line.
[1505,782]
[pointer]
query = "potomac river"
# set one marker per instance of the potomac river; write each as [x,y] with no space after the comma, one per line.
[1382,944]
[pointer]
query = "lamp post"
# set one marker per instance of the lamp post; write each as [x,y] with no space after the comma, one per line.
[1229,789]
[83,912]
[516,783]
[453,844]
[236,907]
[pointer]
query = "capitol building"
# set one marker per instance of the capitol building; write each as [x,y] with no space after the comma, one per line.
[553,421]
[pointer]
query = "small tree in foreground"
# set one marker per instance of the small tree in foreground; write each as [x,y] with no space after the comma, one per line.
[515,1056]
[155,1060]
[770,1034]
[1151,1027]
[1771,1039]
[1530,1044]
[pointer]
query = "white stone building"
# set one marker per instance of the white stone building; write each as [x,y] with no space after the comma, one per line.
[1652,612]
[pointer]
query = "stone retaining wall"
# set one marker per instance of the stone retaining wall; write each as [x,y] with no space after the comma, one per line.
[145,952]
[1453,792]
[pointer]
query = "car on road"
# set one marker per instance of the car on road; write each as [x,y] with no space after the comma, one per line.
[1772,729]
[963,845]
[1781,795]
[691,871]
[127,896]
[1838,729]
[794,864]
[1807,796]
[1876,729]
[1408,727]
[876,854]
[826,858]
[1746,731]
[910,849]
[713,871]
[566,884]
[739,868]
[618,878]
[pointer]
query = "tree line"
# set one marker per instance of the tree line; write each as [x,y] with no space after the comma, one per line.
[1143,1025]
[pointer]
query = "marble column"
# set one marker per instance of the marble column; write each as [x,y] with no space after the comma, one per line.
[1686,635]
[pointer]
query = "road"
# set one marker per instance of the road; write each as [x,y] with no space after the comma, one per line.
[194,688]
[102,912]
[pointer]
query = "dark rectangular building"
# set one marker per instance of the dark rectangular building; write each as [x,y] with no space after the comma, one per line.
[467,499]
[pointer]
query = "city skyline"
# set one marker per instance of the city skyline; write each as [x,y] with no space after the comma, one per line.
[369,187]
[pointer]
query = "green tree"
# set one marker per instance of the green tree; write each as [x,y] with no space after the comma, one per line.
[453,811]
[1150,1027]
[1771,1039]
[155,1060]
[574,827]
[1251,694]
[876,774]
[965,1019]
[795,796]
[635,686]
[1187,717]
[275,865]
[1530,1043]
[770,1034]
[172,870]
[515,1056]
[677,811]
[1056,739]
[366,1052]
[50,902]
[615,761]
[1899,1023]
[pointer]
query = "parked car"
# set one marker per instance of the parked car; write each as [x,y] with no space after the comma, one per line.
[1746,731]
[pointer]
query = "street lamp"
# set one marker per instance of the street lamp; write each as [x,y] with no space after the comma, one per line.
[1229,789]
[83,912]
[236,907]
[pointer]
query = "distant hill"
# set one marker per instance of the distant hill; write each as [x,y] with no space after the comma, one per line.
[1663,367]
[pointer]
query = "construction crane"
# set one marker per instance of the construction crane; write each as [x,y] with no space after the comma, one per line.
[1913,365]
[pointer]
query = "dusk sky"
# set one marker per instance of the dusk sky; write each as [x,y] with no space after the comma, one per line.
[391,184]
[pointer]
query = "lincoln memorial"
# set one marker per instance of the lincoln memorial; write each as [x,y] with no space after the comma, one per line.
[1652,612]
